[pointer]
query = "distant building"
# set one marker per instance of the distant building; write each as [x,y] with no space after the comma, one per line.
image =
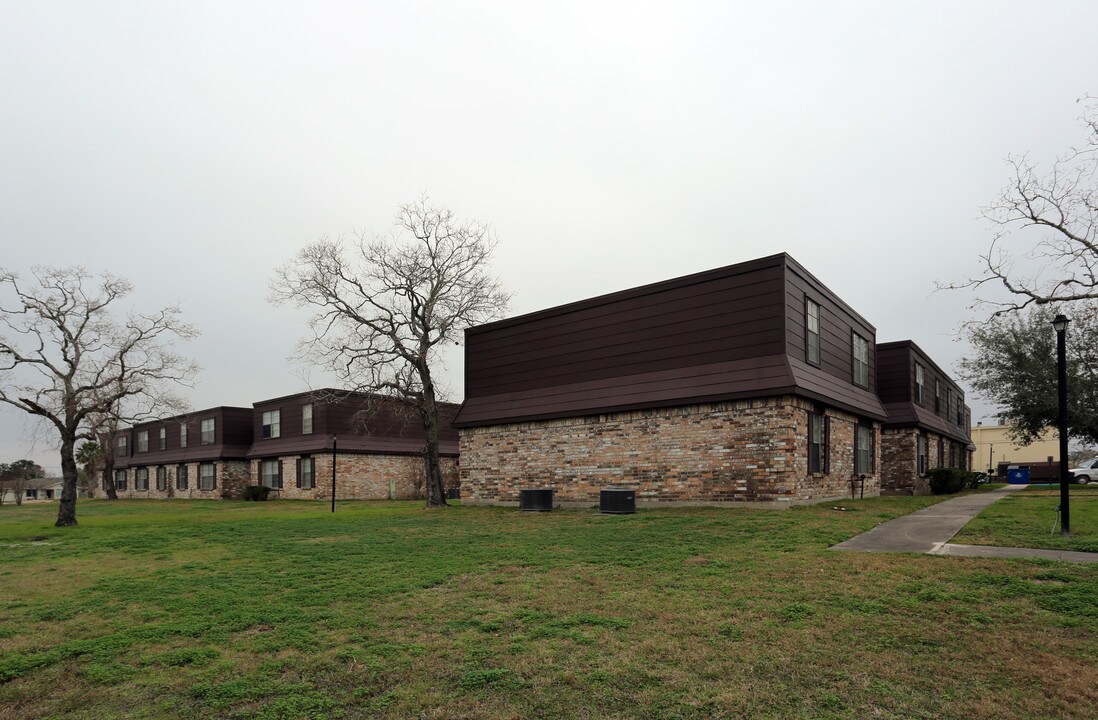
[34,490]
[994,446]
[928,421]
[285,444]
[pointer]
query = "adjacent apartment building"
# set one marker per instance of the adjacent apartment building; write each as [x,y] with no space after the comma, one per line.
[928,423]
[286,444]
[750,382]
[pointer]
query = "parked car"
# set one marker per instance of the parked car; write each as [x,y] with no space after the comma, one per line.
[1087,472]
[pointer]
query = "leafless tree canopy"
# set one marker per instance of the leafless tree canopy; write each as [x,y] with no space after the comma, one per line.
[1055,213]
[384,307]
[66,358]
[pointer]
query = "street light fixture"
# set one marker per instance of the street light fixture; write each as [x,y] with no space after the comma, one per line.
[1060,323]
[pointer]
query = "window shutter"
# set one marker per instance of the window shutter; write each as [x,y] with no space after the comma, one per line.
[258,472]
[827,445]
[299,473]
[214,477]
[280,474]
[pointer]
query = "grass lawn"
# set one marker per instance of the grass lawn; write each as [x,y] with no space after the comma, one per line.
[1024,519]
[192,609]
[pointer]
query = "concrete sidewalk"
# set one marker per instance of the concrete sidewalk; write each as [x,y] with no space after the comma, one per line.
[930,529]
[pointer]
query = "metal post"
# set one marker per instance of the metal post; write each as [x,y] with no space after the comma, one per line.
[1061,323]
[335,439]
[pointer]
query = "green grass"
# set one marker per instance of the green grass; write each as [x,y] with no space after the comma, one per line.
[1025,518]
[191,609]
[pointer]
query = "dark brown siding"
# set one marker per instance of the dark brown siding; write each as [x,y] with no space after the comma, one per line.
[897,391]
[232,437]
[362,423]
[837,323]
[705,319]
[717,335]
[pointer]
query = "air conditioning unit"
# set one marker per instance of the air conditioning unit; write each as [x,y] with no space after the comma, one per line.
[618,501]
[536,500]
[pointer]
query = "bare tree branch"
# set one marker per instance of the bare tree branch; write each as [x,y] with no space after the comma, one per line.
[1056,215]
[69,360]
[383,308]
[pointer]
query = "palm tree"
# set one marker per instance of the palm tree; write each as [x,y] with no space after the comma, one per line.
[88,455]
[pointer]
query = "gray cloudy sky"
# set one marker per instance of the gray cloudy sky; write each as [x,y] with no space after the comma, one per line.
[194,146]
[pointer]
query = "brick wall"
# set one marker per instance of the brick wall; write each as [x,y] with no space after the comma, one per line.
[358,477]
[749,450]
[899,460]
[230,475]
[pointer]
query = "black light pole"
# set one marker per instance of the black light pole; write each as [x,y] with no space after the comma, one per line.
[335,438]
[1061,324]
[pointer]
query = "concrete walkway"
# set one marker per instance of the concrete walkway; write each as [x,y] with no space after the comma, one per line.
[929,530]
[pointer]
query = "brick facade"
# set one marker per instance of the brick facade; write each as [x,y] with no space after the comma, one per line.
[230,477]
[745,450]
[358,477]
[899,460]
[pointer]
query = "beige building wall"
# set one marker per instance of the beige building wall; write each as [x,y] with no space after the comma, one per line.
[993,441]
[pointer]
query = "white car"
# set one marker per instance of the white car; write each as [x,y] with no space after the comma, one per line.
[1087,472]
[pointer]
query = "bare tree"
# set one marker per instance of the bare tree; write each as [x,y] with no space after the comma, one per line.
[64,356]
[1056,214]
[384,307]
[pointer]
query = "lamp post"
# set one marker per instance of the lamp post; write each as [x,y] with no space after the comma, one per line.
[1061,324]
[335,438]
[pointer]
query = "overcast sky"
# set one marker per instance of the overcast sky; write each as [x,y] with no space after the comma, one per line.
[192,147]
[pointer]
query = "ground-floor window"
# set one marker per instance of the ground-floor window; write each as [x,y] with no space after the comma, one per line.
[863,449]
[120,480]
[271,474]
[181,480]
[306,473]
[922,455]
[32,494]
[49,494]
[207,476]
[817,442]
[161,478]
[141,478]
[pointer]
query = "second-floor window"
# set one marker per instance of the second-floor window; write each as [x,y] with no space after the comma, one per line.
[812,331]
[307,419]
[143,441]
[182,436]
[919,383]
[860,351]
[121,445]
[163,438]
[272,423]
[208,431]
[938,397]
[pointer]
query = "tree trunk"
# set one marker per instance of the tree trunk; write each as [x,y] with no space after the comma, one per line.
[436,491]
[108,474]
[66,512]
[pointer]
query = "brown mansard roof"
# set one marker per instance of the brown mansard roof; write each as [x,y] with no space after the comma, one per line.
[718,335]
[896,382]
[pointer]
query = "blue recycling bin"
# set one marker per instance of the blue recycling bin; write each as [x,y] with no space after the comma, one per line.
[1018,475]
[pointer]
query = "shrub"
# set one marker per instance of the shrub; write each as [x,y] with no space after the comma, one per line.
[256,492]
[946,481]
